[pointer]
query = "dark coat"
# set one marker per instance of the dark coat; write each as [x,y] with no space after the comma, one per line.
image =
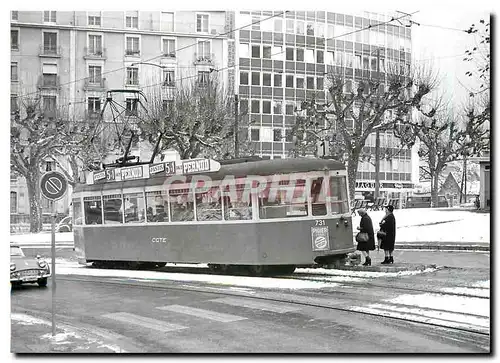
[388,225]
[366,225]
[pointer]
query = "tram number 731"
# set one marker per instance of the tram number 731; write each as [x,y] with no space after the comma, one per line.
[320,222]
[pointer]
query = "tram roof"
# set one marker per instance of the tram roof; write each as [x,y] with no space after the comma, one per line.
[238,170]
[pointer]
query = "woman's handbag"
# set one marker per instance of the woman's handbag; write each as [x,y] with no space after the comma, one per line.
[362,237]
[381,234]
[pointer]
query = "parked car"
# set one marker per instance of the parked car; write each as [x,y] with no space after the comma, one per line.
[424,201]
[65,225]
[27,269]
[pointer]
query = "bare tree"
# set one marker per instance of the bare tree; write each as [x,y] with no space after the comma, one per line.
[356,109]
[196,118]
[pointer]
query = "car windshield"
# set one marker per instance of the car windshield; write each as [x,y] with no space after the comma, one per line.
[16,251]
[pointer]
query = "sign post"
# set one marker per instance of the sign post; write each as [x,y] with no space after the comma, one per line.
[53,186]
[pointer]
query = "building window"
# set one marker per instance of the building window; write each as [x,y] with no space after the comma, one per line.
[289,108]
[131,107]
[132,46]
[202,23]
[278,25]
[366,61]
[95,74]
[243,107]
[256,22]
[49,16]
[132,76]
[94,105]
[244,78]
[204,49]
[277,135]
[94,20]
[266,107]
[49,104]
[319,56]
[289,81]
[277,108]
[255,78]
[277,53]
[244,53]
[14,106]
[167,106]
[357,61]
[310,29]
[132,21]
[49,75]
[300,27]
[309,56]
[14,15]
[95,44]
[255,106]
[266,79]
[290,26]
[320,83]
[13,72]
[255,134]
[300,55]
[169,47]
[167,22]
[203,77]
[289,135]
[169,78]
[14,39]
[300,82]
[50,43]
[255,51]
[266,52]
[330,57]
[277,80]
[310,82]
[13,202]
[289,54]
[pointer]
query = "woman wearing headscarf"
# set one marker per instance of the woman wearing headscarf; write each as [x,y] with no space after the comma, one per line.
[366,226]
[388,235]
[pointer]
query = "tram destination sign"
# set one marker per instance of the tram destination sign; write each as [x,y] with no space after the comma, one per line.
[199,166]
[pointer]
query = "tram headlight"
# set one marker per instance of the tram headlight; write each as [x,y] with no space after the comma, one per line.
[12,266]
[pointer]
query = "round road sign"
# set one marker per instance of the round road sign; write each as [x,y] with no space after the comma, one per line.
[53,185]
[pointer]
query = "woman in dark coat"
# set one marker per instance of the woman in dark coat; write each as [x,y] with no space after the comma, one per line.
[388,225]
[366,226]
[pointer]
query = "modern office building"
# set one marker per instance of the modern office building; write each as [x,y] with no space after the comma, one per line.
[283,59]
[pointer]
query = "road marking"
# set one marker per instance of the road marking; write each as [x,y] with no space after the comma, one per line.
[201,313]
[256,305]
[154,324]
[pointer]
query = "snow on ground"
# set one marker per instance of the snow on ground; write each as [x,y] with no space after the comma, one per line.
[25,319]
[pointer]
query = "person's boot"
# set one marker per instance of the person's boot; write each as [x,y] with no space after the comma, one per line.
[386,261]
[391,260]
[368,262]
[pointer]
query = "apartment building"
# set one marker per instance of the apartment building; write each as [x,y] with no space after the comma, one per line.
[283,58]
[72,58]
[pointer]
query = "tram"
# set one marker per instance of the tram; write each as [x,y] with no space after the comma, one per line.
[255,216]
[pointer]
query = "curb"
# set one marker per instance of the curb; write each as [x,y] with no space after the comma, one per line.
[442,247]
[398,267]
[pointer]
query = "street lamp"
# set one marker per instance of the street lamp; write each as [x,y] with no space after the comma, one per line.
[377,141]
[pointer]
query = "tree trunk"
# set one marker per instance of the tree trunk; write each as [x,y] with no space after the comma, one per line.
[352,169]
[33,183]
[434,190]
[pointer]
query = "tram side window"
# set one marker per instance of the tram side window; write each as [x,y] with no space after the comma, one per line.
[208,205]
[318,197]
[237,204]
[181,205]
[77,212]
[286,201]
[338,195]
[113,211]
[93,210]
[134,207]
[156,207]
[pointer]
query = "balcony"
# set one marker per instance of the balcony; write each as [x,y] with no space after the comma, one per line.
[50,51]
[204,58]
[169,55]
[95,84]
[132,53]
[94,53]
[134,83]
[46,83]
[167,84]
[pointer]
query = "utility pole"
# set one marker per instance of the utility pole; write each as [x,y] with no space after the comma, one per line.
[236,128]
[377,142]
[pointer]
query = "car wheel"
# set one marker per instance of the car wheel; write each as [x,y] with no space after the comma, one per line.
[64,229]
[42,282]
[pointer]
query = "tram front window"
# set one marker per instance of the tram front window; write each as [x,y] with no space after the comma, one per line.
[134,207]
[181,205]
[113,211]
[93,210]
[338,195]
[208,205]
[318,197]
[156,207]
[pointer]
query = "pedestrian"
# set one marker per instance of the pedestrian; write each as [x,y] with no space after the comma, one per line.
[366,226]
[387,234]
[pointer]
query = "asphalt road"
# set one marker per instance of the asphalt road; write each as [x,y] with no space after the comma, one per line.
[170,319]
